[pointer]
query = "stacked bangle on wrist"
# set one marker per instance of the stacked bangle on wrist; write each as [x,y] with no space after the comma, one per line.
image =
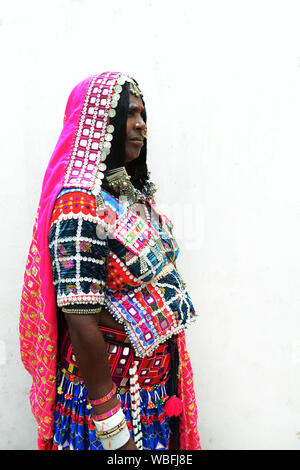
[117,440]
[109,423]
[107,397]
[112,431]
[108,414]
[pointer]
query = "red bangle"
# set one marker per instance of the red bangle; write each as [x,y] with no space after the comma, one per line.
[104,399]
[107,414]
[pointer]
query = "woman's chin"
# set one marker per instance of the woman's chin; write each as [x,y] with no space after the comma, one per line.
[131,157]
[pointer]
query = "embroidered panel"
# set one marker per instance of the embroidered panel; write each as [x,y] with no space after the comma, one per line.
[79,260]
[153,312]
[137,249]
[91,135]
[144,248]
[152,370]
[176,297]
[137,281]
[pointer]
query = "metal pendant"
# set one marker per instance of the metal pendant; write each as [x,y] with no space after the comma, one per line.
[143,264]
[100,232]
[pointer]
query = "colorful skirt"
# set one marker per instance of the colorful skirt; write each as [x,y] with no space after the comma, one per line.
[74,428]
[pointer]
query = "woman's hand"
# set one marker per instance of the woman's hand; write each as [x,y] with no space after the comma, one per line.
[91,355]
[99,409]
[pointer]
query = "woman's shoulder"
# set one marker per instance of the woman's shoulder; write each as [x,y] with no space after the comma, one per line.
[80,203]
[80,197]
[73,203]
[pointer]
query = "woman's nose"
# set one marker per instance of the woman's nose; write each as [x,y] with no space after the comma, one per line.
[140,123]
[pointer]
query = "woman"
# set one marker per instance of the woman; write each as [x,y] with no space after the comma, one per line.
[103,308]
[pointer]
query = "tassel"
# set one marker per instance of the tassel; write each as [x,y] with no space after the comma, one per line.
[173,406]
[150,404]
[69,394]
[60,387]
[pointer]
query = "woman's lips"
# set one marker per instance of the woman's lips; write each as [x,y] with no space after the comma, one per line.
[137,141]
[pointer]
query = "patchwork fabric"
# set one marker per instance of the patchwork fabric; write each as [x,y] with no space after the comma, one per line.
[152,370]
[145,247]
[79,261]
[147,317]
[134,233]
[131,270]
[176,297]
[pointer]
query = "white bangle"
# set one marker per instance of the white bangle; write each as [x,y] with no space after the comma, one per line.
[116,441]
[111,422]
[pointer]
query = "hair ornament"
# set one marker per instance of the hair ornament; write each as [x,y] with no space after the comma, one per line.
[134,89]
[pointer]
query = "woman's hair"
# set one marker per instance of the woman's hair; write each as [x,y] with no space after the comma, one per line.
[137,169]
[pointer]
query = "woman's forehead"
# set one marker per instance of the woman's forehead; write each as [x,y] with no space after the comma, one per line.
[135,102]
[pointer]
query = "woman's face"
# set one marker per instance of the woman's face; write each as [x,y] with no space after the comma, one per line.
[135,129]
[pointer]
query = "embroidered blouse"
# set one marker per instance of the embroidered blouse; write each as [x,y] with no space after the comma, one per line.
[121,261]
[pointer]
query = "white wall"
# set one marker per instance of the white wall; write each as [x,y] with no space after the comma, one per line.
[222,84]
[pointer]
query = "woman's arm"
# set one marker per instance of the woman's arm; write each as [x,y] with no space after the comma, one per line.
[78,254]
[91,356]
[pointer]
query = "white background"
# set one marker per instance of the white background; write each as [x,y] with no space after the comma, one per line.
[221,81]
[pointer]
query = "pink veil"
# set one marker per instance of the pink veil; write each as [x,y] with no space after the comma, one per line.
[38,323]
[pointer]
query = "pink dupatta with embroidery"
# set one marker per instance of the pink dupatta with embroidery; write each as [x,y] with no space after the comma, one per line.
[38,322]
[188,428]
